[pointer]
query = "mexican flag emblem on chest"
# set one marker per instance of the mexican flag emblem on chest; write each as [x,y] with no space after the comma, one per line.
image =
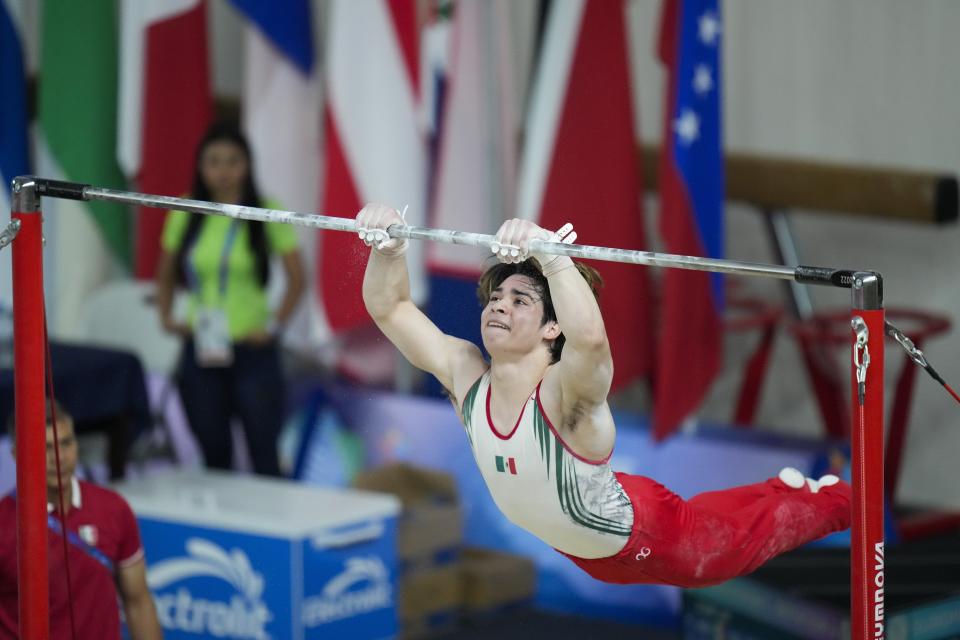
[506,465]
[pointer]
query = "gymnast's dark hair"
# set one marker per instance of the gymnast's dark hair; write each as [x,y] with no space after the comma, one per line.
[494,276]
[226,132]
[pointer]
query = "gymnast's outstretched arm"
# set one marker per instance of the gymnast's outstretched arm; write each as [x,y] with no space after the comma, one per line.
[580,381]
[386,294]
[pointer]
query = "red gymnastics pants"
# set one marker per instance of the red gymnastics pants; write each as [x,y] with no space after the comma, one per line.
[718,535]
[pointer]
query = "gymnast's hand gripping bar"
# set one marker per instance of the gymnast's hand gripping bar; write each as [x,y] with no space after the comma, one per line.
[843,278]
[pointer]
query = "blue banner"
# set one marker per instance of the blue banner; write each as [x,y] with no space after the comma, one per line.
[14,160]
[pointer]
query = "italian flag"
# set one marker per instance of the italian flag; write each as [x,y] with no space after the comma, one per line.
[507,465]
[89,242]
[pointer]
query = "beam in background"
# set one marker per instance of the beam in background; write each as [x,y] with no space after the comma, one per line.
[773,183]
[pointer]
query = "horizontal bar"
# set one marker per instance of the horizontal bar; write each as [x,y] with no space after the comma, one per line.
[808,275]
[467,238]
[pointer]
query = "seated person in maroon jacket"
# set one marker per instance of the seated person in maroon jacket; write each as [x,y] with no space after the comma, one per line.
[105,555]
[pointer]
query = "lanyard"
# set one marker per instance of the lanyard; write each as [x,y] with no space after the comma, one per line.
[58,528]
[193,281]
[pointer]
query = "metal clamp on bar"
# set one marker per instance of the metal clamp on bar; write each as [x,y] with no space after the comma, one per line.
[915,354]
[918,357]
[861,363]
[822,275]
[844,278]
[9,233]
[61,189]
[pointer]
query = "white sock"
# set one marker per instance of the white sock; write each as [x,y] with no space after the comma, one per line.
[792,478]
[827,481]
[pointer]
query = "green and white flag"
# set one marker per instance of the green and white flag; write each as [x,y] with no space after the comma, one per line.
[88,243]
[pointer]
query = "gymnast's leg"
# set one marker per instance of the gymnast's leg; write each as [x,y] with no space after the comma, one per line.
[706,542]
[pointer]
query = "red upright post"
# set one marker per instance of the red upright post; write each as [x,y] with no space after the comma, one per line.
[867,550]
[28,365]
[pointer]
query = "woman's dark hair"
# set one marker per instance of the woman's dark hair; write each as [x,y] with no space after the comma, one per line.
[226,132]
[494,276]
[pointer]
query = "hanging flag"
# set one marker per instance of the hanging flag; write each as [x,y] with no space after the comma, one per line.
[14,160]
[474,184]
[375,149]
[580,162]
[281,100]
[691,209]
[434,71]
[282,115]
[165,106]
[474,187]
[91,241]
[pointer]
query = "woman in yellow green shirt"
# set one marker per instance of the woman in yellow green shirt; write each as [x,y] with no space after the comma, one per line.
[230,365]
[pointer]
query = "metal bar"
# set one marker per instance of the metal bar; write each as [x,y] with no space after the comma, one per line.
[31,440]
[809,275]
[440,235]
[781,233]
[866,439]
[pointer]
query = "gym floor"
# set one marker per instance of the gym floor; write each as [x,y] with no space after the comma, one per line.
[530,624]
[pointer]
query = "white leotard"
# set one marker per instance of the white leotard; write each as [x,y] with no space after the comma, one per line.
[572,504]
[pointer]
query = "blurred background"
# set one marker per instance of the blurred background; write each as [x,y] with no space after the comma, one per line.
[818,133]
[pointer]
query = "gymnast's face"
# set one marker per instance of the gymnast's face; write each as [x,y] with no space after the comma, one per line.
[224,167]
[512,321]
